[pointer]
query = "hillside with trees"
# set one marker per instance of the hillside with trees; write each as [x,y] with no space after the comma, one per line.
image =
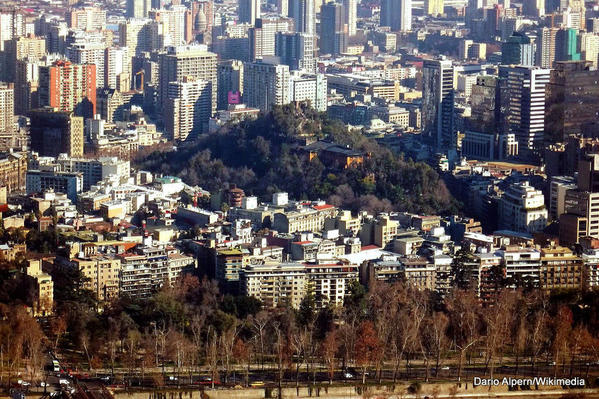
[261,157]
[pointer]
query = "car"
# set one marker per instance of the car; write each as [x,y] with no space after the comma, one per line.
[63,381]
[348,375]
[172,378]
[23,383]
[445,368]
[256,384]
[44,384]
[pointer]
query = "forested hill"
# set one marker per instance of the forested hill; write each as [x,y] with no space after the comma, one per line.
[261,156]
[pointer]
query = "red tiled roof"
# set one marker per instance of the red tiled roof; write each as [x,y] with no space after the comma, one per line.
[367,247]
[321,207]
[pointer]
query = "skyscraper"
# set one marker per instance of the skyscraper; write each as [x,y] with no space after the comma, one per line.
[188,108]
[304,16]
[193,61]
[54,133]
[87,18]
[589,47]
[68,87]
[265,85]
[397,14]
[117,61]
[566,45]
[546,47]
[230,81]
[524,96]
[572,100]
[7,98]
[138,8]
[438,103]
[174,24]
[262,37]
[518,50]
[85,52]
[248,11]
[350,15]
[20,48]
[333,31]
[135,35]
[296,50]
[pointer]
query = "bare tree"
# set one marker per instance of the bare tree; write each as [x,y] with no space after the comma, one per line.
[329,349]
[463,308]
[227,343]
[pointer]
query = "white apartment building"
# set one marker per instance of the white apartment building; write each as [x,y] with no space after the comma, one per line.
[311,88]
[521,262]
[149,268]
[522,209]
[188,108]
[117,61]
[275,284]
[89,49]
[265,85]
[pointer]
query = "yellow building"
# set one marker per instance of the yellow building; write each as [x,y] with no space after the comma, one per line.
[434,7]
[560,269]
[103,274]
[43,303]
[385,230]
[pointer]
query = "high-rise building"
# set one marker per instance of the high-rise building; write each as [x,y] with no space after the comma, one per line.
[310,88]
[54,133]
[188,108]
[589,48]
[581,206]
[85,52]
[546,47]
[522,208]
[571,100]
[434,7]
[26,85]
[483,105]
[262,36]
[350,15]
[533,8]
[230,82]
[304,15]
[117,61]
[438,103]
[248,11]
[566,45]
[136,36]
[296,50]
[333,31]
[12,25]
[396,14]
[174,25]
[7,99]
[265,85]
[87,18]
[22,48]
[194,61]
[138,8]
[518,50]
[56,36]
[68,87]
[524,94]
